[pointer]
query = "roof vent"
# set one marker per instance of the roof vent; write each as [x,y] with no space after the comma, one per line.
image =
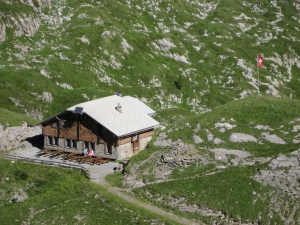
[119,107]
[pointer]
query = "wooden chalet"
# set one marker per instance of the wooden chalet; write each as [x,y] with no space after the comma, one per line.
[114,126]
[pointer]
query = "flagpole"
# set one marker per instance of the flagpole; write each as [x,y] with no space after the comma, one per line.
[257,76]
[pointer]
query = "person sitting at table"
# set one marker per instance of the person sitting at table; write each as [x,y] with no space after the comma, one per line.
[90,152]
[84,152]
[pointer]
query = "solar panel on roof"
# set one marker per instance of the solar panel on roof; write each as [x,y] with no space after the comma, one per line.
[78,110]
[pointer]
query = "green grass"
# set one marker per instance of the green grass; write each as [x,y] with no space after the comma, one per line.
[115,179]
[229,191]
[192,171]
[212,42]
[277,113]
[203,82]
[62,196]
[14,119]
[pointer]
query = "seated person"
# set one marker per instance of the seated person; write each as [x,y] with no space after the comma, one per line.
[90,152]
[84,152]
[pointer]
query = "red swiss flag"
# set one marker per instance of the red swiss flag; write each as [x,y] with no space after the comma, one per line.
[260,61]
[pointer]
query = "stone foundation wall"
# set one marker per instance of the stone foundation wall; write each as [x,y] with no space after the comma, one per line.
[144,142]
[126,151]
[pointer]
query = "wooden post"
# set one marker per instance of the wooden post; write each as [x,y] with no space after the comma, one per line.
[78,128]
[58,129]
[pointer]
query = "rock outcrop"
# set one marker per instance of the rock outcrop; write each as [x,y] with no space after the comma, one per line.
[20,136]
[2,31]
[23,23]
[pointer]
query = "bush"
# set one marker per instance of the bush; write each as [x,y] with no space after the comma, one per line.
[21,175]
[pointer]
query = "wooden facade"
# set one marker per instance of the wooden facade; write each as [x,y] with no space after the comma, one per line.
[74,132]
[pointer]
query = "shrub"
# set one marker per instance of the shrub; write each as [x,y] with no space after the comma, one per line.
[21,175]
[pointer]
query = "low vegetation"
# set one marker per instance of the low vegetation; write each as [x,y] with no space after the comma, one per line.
[218,190]
[230,193]
[278,114]
[62,196]
[9,118]
[200,56]
[196,67]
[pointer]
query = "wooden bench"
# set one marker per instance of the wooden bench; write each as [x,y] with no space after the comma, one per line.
[55,153]
[72,156]
[45,151]
[82,158]
[99,160]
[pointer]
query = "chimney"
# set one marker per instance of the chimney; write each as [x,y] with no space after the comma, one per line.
[119,108]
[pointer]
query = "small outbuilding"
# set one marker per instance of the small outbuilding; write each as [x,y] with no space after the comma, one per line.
[114,126]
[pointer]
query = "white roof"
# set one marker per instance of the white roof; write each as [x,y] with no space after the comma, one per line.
[130,120]
[139,104]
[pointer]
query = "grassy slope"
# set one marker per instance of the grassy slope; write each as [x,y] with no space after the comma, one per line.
[61,196]
[228,191]
[14,119]
[206,81]
[213,76]
[277,113]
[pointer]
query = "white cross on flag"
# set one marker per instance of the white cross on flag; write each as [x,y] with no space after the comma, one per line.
[260,61]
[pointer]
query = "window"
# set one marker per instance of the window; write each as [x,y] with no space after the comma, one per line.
[89,145]
[68,143]
[74,144]
[108,149]
[92,146]
[52,141]
[54,125]
[56,141]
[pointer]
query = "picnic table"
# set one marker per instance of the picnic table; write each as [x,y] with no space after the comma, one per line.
[98,160]
[92,160]
[71,156]
[82,158]
[56,153]
[44,151]
[49,152]
[74,156]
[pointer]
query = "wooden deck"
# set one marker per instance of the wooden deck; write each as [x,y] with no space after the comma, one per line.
[74,156]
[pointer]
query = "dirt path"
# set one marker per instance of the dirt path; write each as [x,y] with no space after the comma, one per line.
[121,193]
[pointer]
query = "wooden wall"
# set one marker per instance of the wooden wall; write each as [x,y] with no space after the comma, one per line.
[69,133]
[86,132]
[146,134]
[89,129]
[48,130]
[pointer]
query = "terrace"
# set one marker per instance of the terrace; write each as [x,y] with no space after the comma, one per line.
[59,158]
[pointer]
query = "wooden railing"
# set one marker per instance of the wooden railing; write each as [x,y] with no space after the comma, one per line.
[46,163]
